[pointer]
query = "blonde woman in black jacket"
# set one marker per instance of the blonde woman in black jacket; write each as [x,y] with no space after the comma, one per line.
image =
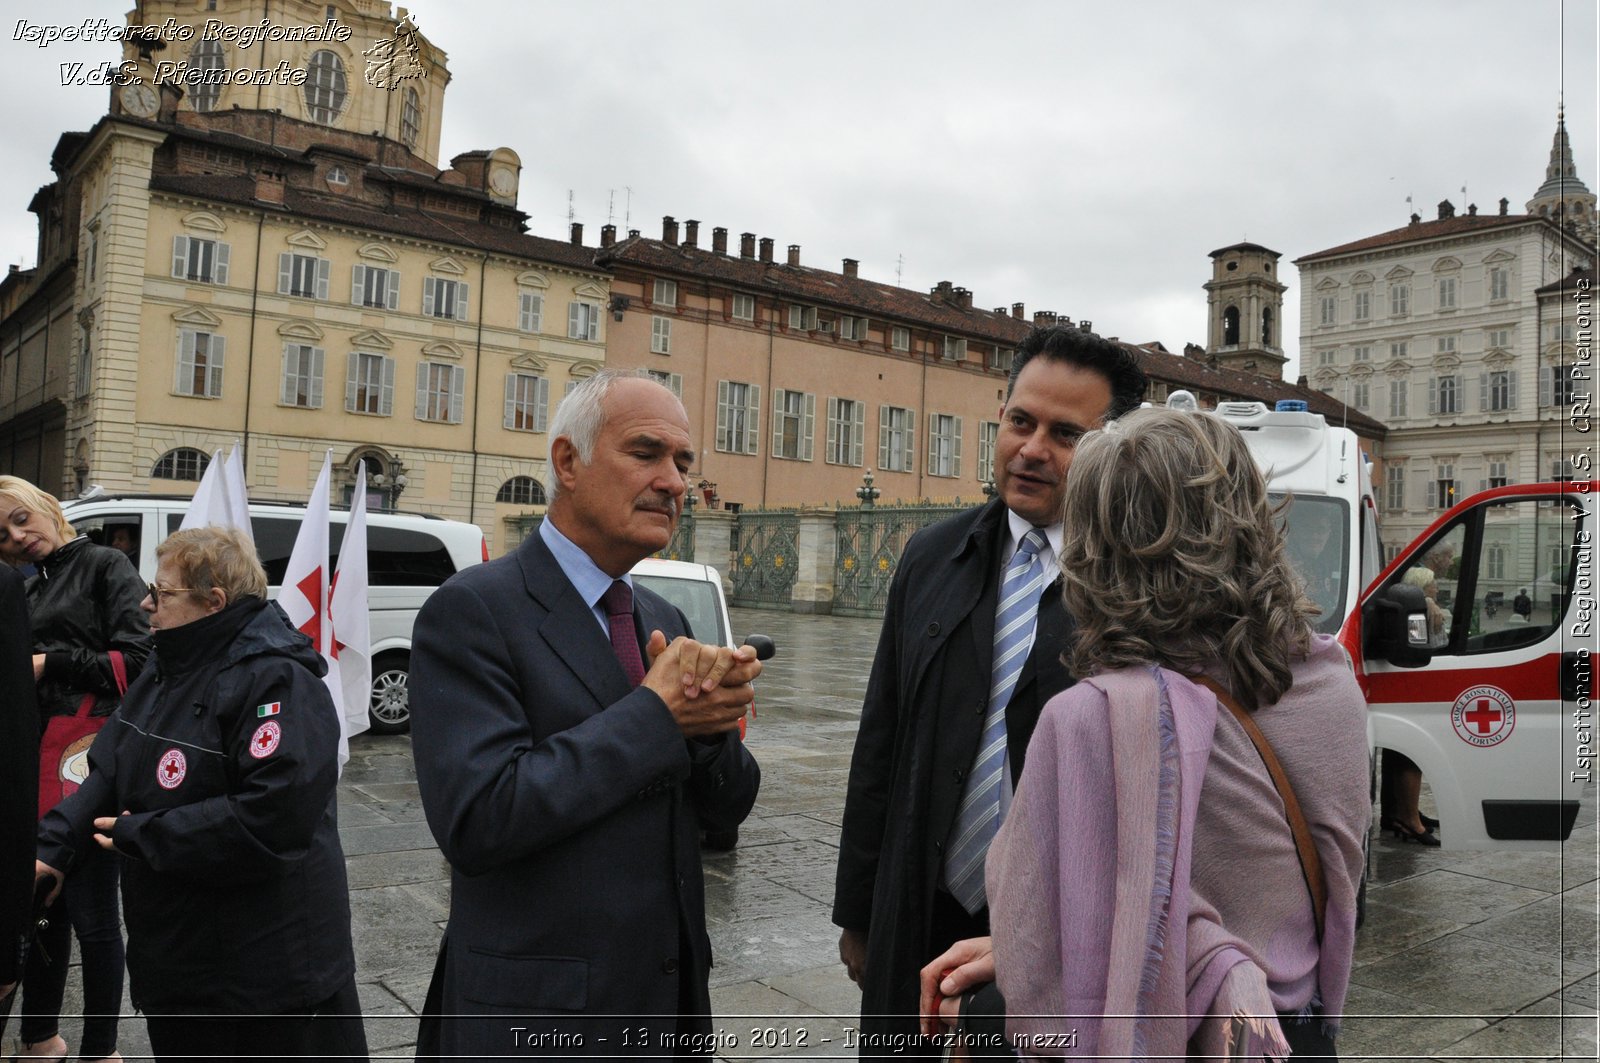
[83,605]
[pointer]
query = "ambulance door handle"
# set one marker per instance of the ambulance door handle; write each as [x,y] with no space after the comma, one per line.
[1572,677]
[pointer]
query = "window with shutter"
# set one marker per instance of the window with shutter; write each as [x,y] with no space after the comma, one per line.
[527,399]
[531,312]
[302,376]
[583,321]
[201,260]
[370,385]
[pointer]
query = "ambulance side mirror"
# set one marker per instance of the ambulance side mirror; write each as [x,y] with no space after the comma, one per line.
[1395,623]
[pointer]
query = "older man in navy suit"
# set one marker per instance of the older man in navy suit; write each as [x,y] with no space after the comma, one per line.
[570,747]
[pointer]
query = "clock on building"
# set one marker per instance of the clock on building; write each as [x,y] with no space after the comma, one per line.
[139,100]
[502,181]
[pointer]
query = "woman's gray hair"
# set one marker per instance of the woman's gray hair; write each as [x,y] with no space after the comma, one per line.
[581,414]
[1172,553]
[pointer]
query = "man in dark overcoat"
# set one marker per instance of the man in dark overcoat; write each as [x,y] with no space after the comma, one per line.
[943,729]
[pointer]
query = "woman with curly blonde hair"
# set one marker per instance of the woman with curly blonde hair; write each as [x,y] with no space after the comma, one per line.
[1145,888]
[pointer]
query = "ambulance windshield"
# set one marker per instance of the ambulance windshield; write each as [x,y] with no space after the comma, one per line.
[1318,541]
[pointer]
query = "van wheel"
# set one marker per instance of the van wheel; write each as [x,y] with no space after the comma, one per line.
[390,711]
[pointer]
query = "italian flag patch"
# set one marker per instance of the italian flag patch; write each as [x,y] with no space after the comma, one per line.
[269,710]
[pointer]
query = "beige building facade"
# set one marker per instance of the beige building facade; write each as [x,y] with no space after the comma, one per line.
[217,276]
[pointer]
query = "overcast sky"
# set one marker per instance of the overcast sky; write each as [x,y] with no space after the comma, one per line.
[1067,154]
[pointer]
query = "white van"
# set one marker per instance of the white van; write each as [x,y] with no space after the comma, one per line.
[408,556]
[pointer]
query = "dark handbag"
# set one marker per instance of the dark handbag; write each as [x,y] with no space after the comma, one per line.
[64,749]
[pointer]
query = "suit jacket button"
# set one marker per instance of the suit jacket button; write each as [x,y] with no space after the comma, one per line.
[938,847]
[933,629]
[669,966]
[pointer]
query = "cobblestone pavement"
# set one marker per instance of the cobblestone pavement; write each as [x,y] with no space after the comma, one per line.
[1463,955]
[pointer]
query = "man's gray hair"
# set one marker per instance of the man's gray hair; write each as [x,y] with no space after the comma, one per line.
[581,414]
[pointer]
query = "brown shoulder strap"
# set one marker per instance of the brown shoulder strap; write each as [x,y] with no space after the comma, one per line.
[1310,862]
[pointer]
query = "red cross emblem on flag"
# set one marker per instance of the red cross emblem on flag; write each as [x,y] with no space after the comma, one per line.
[171,769]
[1483,716]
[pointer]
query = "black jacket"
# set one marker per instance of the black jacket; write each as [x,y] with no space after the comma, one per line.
[84,602]
[225,756]
[920,727]
[19,775]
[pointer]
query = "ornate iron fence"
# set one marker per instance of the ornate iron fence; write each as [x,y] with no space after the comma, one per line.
[764,561]
[870,542]
[681,548]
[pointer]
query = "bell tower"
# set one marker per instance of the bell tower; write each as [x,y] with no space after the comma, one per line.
[1245,303]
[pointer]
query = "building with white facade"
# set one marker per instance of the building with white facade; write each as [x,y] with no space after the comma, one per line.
[1439,330]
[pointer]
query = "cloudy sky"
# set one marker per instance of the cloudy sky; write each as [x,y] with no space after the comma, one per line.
[1067,154]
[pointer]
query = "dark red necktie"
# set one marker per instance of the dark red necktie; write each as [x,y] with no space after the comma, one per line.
[618,602]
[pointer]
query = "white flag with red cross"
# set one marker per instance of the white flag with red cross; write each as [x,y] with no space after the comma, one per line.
[352,629]
[304,594]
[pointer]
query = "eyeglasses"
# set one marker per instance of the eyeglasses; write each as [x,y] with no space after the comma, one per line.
[156,592]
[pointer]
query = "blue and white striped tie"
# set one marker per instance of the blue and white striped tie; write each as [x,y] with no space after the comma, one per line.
[978,818]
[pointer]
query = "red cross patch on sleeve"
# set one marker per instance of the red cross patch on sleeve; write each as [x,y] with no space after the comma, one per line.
[266,739]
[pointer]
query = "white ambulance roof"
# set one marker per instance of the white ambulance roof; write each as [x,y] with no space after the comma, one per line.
[1299,452]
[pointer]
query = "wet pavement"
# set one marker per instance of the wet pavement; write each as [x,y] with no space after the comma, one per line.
[1463,955]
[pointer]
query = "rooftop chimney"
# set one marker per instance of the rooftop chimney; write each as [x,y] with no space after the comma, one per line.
[1447,210]
[747,245]
[719,240]
[943,290]
[963,298]
[633,233]
[691,233]
[669,231]
[608,235]
[850,267]
[577,234]
[269,187]
[1016,312]
[1472,210]
[766,249]
[1416,219]
[794,254]
[1000,311]
[1194,350]
[1044,318]
[1504,203]
[1086,325]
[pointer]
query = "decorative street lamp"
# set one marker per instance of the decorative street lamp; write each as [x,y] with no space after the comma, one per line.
[989,489]
[866,492]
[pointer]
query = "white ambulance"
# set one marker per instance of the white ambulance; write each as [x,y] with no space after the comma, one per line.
[1492,700]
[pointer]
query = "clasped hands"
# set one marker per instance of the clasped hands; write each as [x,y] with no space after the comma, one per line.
[707,688]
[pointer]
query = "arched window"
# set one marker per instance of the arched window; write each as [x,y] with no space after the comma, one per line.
[184,463]
[522,491]
[1230,327]
[207,55]
[1266,327]
[325,87]
[410,118]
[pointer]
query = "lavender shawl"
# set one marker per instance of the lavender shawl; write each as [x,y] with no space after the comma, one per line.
[1099,924]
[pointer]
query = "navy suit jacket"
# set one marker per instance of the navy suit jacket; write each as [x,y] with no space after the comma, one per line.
[570,808]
